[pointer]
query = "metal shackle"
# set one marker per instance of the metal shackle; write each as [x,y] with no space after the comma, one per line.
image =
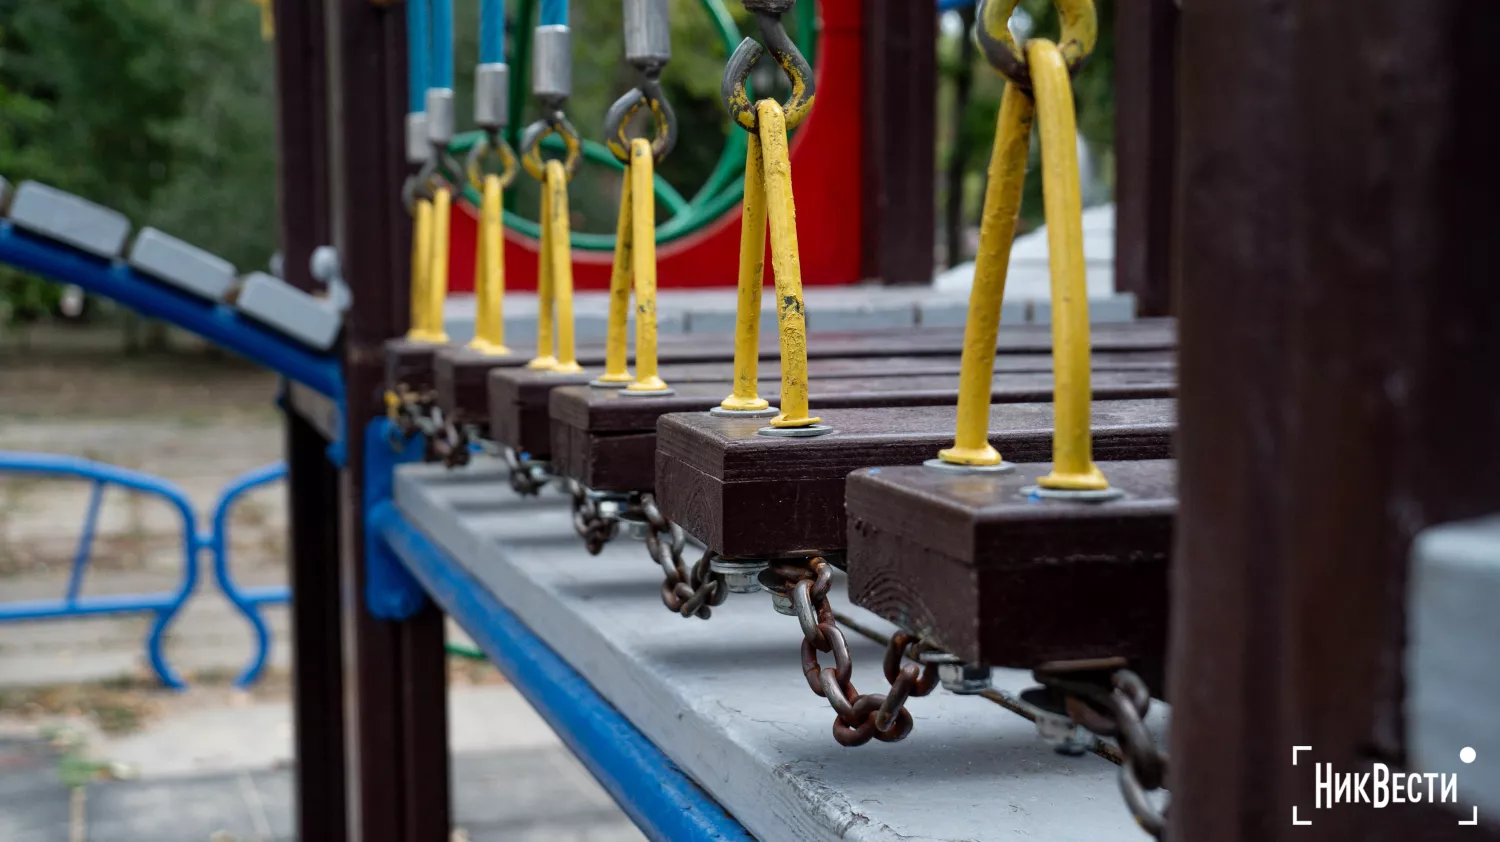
[418,147]
[552,62]
[491,95]
[439,116]
[648,33]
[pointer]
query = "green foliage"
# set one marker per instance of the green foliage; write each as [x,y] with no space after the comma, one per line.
[160,109]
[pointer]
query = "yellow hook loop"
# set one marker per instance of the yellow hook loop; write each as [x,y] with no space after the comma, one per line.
[997,228]
[744,398]
[616,372]
[787,261]
[437,276]
[421,265]
[1073,466]
[489,271]
[559,258]
[643,264]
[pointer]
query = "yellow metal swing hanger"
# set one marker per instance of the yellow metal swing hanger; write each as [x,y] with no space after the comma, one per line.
[769,204]
[634,267]
[1039,88]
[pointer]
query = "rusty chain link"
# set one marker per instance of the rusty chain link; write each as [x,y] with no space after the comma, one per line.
[860,717]
[1113,703]
[589,521]
[689,591]
[527,477]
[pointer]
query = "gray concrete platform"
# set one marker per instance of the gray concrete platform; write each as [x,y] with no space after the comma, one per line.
[726,701]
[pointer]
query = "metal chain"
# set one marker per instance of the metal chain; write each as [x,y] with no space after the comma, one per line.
[1114,704]
[527,478]
[592,525]
[689,591]
[860,716]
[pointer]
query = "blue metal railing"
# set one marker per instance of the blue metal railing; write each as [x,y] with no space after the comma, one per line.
[247,600]
[164,604]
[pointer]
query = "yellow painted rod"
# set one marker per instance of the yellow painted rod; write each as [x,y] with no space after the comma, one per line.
[785,259]
[615,368]
[559,257]
[643,265]
[744,398]
[997,228]
[421,264]
[489,281]
[1073,465]
[437,276]
[546,356]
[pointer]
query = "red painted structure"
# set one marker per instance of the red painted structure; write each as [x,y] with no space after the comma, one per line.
[826,165]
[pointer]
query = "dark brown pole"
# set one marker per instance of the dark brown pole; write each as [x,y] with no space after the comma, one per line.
[1145,150]
[898,218]
[1340,338]
[312,481]
[393,671]
[958,159]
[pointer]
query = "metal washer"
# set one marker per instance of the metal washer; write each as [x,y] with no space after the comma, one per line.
[610,384]
[768,412]
[998,468]
[796,432]
[1102,495]
[640,394]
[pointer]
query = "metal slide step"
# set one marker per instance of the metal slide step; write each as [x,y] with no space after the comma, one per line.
[313,321]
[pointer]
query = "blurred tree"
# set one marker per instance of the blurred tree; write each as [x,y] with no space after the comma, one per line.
[1093,97]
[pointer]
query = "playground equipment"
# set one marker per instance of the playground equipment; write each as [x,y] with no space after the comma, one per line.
[1042,589]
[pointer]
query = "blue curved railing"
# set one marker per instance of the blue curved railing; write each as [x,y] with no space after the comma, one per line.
[164,605]
[247,600]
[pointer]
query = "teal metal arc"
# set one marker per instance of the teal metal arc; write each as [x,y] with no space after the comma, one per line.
[720,192]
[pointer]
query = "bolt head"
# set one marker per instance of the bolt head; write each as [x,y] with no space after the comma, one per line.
[783,604]
[1065,736]
[741,582]
[964,679]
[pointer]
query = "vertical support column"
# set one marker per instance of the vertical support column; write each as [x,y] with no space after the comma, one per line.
[317,645]
[1340,338]
[394,676]
[1145,151]
[898,219]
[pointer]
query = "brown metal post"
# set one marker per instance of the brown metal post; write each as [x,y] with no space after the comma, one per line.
[1340,338]
[1145,150]
[394,677]
[317,668]
[900,142]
